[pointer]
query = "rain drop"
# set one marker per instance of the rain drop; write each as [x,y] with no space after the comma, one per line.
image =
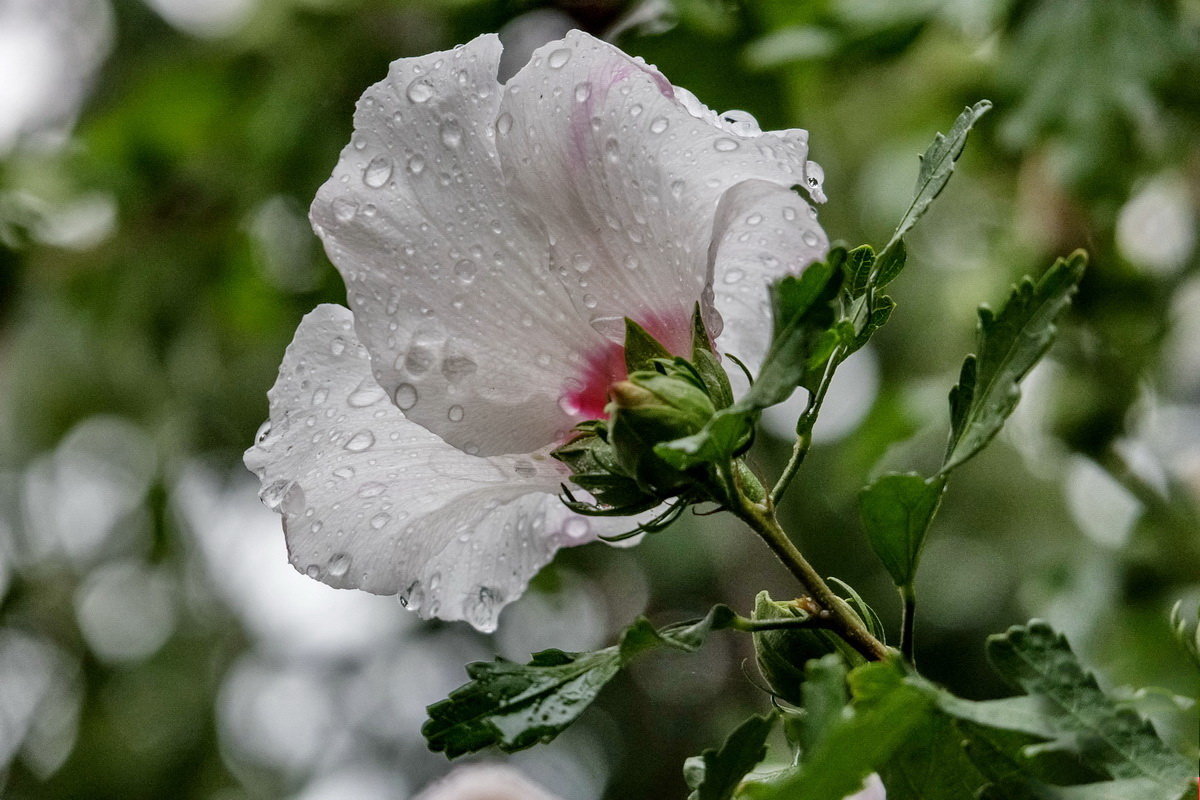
[583,91]
[455,414]
[377,172]
[371,489]
[733,276]
[380,519]
[366,393]
[659,125]
[810,238]
[754,219]
[789,213]
[406,396]
[339,565]
[725,144]
[559,58]
[263,432]
[504,123]
[344,209]
[464,270]
[420,90]
[458,368]
[360,441]
[416,164]
[576,528]
[337,346]
[344,472]
[313,571]
[451,133]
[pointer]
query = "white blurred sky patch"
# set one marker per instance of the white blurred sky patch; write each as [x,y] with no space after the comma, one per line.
[847,403]
[242,548]
[49,53]
[206,18]
[1156,228]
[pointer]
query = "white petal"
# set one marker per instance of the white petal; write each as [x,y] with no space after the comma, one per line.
[467,329]
[485,782]
[371,500]
[762,231]
[625,171]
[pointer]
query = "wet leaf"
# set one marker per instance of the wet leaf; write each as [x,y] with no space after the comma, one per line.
[716,773]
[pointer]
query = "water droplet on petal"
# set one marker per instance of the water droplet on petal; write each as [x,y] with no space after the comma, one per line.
[371,489]
[725,144]
[380,519]
[458,368]
[360,441]
[789,213]
[435,581]
[742,123]
[733,276]
[810,238]
[344,472]
[344,209]
[416,164]
[366,393]
[504,123]
[455,414]
[465,270]
[413,597]
[754,219]
[377,172]
[576,528]
[559,58]
[272,494]
[480,610]
[677,188]
[339,565]
[406,396]
[263,432]
[659,125]
[451,133]
[313,571]
[420,90]
[337,346]
[583,91]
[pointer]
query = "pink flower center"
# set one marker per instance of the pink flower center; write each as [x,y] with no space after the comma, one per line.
[605,364]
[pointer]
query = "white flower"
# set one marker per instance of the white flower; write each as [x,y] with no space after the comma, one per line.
[492,239]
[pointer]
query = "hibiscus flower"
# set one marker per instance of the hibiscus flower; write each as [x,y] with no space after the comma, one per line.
[493,239]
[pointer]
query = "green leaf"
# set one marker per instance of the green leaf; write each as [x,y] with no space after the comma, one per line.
[897,510]
[723,436]
[824,696]
[880,313]
[641,348]
[931,765]
[891,264]
[514,706]
[1109,737]
[884,713]
[937,165]
[716,773]
[802,312]
[1009,344]
[859,264]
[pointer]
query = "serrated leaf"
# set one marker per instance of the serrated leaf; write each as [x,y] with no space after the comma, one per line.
[716,773]
[1109,737]
[897,510]
[515,706]
[1009,343]
[937,165]
[884,712]
[859,264]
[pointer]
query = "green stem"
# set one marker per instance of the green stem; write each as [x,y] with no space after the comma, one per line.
[835,615]
[908,615]
[804,428]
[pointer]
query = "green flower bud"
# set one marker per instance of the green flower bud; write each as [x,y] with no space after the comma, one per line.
[782,654]
[594,468]
[650,408]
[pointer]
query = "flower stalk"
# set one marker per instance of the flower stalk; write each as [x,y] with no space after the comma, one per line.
[836,615]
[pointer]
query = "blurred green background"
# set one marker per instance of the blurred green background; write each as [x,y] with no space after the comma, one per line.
[156,162]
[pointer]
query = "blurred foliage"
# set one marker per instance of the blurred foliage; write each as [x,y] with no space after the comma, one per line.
[155,260]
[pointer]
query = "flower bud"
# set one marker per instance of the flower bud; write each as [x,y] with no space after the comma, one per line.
[782,654]
[650,408]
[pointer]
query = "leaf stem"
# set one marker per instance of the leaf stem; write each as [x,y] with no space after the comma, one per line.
[804,427]
[908,615]
[835,614]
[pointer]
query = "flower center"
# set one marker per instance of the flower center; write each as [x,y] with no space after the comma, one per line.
[604,364]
